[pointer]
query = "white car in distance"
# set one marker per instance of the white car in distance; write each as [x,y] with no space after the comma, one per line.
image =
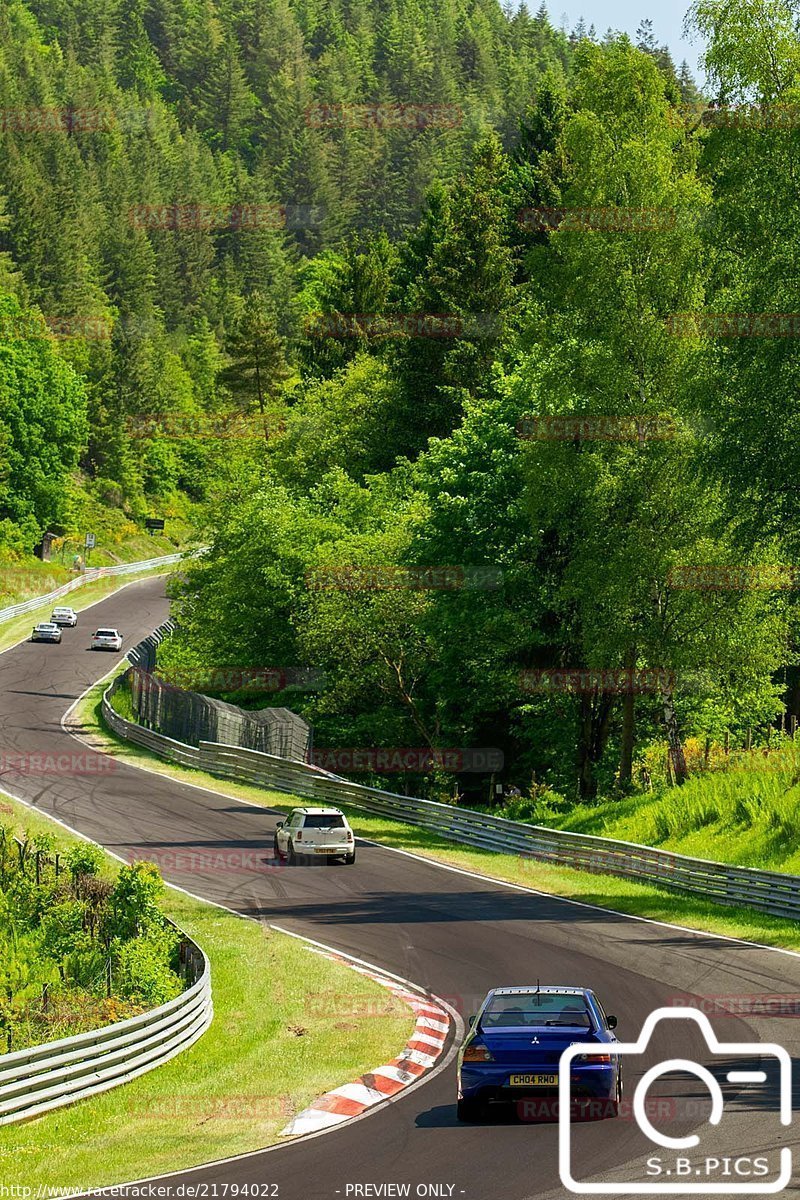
[64,616]
[107,639]
[46,631]
[315,833]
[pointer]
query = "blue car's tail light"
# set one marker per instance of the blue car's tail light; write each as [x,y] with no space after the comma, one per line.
[477,1052]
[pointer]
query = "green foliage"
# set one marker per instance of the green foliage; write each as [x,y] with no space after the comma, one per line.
[402,451]
[143,971]
[75,950]
[42,423]
[84,859]
[386,449]
[220,178]
[133,904]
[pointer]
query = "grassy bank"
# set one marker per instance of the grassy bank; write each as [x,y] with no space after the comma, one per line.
[747,814]
[604,890]
[271,1049]
[23,579]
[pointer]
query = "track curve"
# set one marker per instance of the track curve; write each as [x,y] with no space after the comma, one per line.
[452,933]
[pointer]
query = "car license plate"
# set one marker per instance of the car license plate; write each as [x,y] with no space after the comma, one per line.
[326,850]
[533,1080]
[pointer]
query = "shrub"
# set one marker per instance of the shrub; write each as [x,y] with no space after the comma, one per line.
[142,972]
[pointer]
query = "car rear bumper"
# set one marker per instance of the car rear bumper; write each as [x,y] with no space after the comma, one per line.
[491,1082]
[325,851]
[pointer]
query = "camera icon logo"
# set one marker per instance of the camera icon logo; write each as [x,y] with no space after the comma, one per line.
[676,1172]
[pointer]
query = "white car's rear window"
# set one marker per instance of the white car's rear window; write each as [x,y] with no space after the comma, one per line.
[323,821]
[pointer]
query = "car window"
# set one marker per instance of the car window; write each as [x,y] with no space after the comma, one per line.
[324,821]
[537,1008]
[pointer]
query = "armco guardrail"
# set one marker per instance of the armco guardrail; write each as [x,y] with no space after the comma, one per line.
[18,610]
[42,1078]
[766,891]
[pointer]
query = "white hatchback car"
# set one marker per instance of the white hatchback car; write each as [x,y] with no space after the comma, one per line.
[315,833]
[64,616]
[107,639]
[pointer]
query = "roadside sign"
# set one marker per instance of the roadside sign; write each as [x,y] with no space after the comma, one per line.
[91,541]
[154,523]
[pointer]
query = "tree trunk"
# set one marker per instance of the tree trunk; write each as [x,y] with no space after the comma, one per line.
[594,719]
[676,755]
[628,728]
[587,786]
[261,398]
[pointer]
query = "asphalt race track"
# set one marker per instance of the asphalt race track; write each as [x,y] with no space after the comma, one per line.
[448,932]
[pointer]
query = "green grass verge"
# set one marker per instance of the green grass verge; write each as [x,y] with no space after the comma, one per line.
[272,1048]
[622,895]
[747,815]
[17,628]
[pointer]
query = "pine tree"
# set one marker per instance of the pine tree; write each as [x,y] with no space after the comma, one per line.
[10,278]
[228,105]
[645,38]
[466,277]
[258,366]
[690,93]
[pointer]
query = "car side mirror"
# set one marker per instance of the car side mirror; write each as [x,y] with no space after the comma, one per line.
[473,1018]
[612,1022]
[279,825]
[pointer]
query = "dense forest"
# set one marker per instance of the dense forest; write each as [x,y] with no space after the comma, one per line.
[467,341]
